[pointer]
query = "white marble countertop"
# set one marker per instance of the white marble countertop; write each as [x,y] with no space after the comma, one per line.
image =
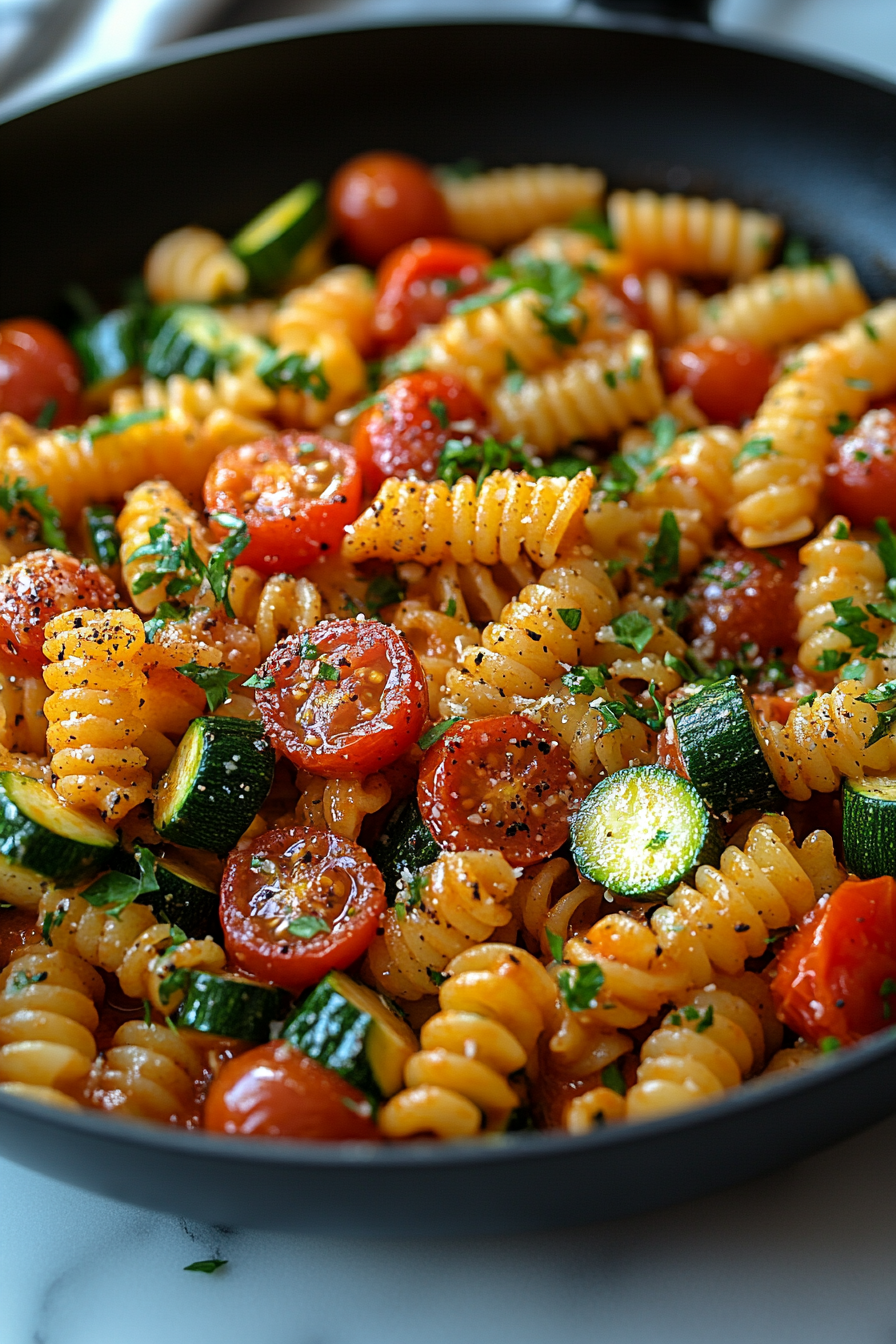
[804,1255]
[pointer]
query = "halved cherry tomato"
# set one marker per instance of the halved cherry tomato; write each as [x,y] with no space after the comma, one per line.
[503,783]
[418,281]
[727,378]
[743,597]
[297,493]
[861,477]
[348,697]
[298,902]
[33,590]
[379,201]
[410,424]
[629,288]
[38,370]
[276,1092]
[836,975]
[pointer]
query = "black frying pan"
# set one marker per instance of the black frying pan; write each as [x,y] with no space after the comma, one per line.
[225,126]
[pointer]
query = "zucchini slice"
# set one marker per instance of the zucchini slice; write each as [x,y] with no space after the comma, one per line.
[269,243]
[642,830]
[405,846]
[184,897]
[355,1032]
[228,1005]
[722,750]
[869,825]
[40,833]
[101,535]
[111,346]
[220,775]
[193,340]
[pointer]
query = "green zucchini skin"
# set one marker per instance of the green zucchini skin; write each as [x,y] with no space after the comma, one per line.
[101,534]
[38,833]
[224,1005]
[194,340]
[722,751]
[184,897]
[642,831]
[869,825]
[269,244]
[111,346]
[406,845]
[220,775]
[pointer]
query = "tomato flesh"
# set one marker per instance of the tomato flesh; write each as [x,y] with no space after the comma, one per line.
[296,492]
[727,378]
[744,597]
[39,372]
[33,590]
[861,477]
[348,697]
[406,430]
[418,281]
[379,201]
[836,975]
[298,902]
[276,1091]
[502,783]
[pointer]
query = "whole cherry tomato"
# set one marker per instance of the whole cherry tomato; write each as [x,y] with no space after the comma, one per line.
[276,1091]
[299,902]
[503,783]
[348,697]
[743,597]
[836,975]
[417,282]
[33,590]
[297,493]
[39,372]
[379,201]
[727,378]
[861,477]
[412,420]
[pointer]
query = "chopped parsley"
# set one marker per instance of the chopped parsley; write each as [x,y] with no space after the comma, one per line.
[307,926]
[437,731]
[611,1077]
[661,563]
[326,672]
[205,1266]
[585,680]
[439,410]
[259,681]
[570,616]
[885,717]
[633,629]
[555,943]
[842,425]
[299,373]
[580,988]
[215,681]
[114,892]
[752,449]
[658,840]
[34,499]
[463,456]
[383,591]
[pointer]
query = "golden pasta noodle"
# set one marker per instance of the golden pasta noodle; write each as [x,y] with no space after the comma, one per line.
[825,741]
[148,1072]
[790,303]
[193,265]
[151,504]
[692,236]
[48,1019]
[502,206]
[836,567]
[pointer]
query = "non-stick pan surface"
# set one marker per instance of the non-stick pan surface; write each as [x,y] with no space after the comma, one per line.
[89,182]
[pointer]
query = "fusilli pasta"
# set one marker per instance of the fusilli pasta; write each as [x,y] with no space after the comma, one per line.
[692,236]
[193,264]
[503,205]
[48,1018]
[790,303]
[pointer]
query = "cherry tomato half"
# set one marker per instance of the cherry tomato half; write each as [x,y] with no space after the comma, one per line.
[744,597]
[861,479]
[38,368]
[836,975]
[410,424]
[297,492]
[503,783]
[348,697]
[379,201]
[33,590]
[727,378]
[418,281]
[299,902]
[277,1092]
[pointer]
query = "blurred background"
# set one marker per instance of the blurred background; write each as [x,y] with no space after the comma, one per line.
[48,44]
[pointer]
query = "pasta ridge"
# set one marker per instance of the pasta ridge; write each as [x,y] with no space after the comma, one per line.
[48,1020]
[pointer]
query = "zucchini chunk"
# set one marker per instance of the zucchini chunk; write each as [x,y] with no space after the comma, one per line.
[405,846]
[642,830]
[228,1005]
[869,825]
[111,346]
[722,750]
[195,340]
[40,833]
[219,777]
[101,535]
[355,1032]
[184,897]
[270,243]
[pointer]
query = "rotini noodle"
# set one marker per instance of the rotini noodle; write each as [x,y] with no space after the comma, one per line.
[48,1018]
[790,303]
[152,503]
[836,566]
[826,741]
[193,265]
[503,205]
[692,236]
[23,723]
[148,1072]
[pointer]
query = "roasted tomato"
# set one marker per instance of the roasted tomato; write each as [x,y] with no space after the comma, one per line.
[297,493]
[743,597]
[727,378]
[348,697]
[277,1092]
[861,477]
[836,975]
[503,783]
[418,281]
[40,378]
[379,201]
[407,428]
[18,928]
[33,590]
[297,903]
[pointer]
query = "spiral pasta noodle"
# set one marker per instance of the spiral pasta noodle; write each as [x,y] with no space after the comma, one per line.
[790,303]
[546,898]
[511,514]
[503,205]
[692,236]
[836,566]
[191,400]
[193,265]
[152,503]
[463,898]
[48,1020]
[23,723]
[274,606]
[494,1006]
[825,741]
[149,1072]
